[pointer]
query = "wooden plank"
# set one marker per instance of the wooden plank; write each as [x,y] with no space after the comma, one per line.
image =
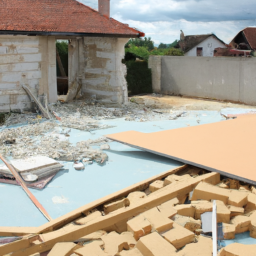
[80,212]
[221,147]
[71,233]
[24,186]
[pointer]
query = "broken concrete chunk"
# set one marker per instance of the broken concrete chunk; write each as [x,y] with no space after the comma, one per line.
[201,207]
[159,221]
[116,205]
[251,202]
[229,231]
[238,198]
[92,249]
[242,223]
[90,217]
[179,236]
[156,185]
[136,196]
[202,248]
[62,249]
[207,191]
[234,210]
[155,245]
[139,226]
[236,249]
[187,222]
[185,210]
[133,252]
[175,178]
[223,213]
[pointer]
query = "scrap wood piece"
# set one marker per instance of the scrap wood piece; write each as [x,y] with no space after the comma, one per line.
[221,147]
[31,94]
[23,185]
[74,232]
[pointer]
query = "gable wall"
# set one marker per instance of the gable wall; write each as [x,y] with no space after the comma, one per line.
[208,45]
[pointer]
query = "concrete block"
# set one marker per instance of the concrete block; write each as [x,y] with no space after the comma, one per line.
[242,223]
[139,226]
[188,222]
[179,236]
[207,191]
[251,202]
[136,197]
[223,213]
[116,205]
[234,210]
[23,49]
[156,185]
[203,247]
[201,207]
[238,198]
[229,231]
[175,178]
[159,221]
[185,210]
[236,249]
[155,245]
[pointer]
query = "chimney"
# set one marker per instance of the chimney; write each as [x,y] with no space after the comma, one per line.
[104,7]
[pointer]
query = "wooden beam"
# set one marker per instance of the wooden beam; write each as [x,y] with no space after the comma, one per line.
[73,232]
[80,212]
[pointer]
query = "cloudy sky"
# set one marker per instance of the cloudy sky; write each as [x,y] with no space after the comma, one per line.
[162,20]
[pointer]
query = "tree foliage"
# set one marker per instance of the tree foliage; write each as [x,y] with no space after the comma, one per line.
[139,42]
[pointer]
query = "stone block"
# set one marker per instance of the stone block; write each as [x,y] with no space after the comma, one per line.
[242,223]
[135,197]
[155,245]
[188,222]
[238,198]
[223,213]
[185,210]
[116,205]
[201,207]
[179,236]
[156,185]
[139,226]
[229,231]
[234,210]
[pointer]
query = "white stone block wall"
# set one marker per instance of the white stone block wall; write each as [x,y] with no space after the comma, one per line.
[26,60]
[103,71]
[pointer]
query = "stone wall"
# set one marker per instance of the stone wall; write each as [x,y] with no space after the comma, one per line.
[30,61]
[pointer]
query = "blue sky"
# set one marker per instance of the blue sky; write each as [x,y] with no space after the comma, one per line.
[162,20]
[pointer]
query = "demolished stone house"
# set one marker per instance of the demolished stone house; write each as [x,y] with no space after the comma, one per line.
[28,33]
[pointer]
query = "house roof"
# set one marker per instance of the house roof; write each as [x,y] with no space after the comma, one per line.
[193,40]
[250,34]
[58,17]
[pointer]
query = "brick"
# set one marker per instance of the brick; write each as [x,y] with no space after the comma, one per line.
[234,210]
[238,198]
[156,185]
[159,221]
[169,212]
[202,248]
[207,191]
[236,249]
[229,231]
[242,223]
[92,249]
[139,226]
[179,236]
[136,197]
[188,222]
[201,207]
[185,210]
[155,245]
[116,205]
[251,202]
[62,249]
[252,229]
[223,213]
[173,178]
[133,252]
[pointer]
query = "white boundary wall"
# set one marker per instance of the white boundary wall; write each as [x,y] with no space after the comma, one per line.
[221,78]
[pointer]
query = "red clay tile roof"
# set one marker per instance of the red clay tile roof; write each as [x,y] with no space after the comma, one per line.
[250,34]
[59,16]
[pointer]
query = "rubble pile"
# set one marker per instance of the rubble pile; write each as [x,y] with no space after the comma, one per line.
[164,217]
[47,139]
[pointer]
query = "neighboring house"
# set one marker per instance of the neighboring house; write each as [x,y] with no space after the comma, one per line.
[200,45]
[245,39]
[28,33]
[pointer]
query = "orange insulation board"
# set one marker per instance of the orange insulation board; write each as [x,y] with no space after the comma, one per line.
[227,147]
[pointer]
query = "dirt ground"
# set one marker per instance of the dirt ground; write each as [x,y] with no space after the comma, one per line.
[183,103]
